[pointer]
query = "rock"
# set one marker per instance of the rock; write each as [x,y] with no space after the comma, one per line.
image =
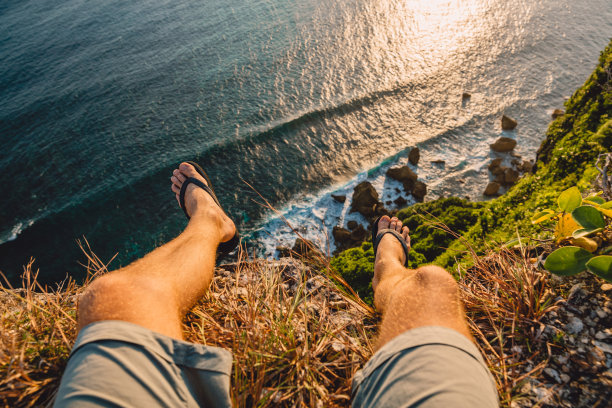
[404,175]
[601,314]
[466,95]
[503,144]
[557,112]
[508,123]
[576,293]
[358,235]
[552,374]
[495,167]
[492,188]
[304,247]
[341,235]
[339,198]
[414,156]
[400,201]
[283,251]
[526,166]
[352,224]
[606,287]
[420,190]
[365,200]
[511,176]
[595,355]
[601,335]
[438,161]
[574,326]
[605,347]
[564,377]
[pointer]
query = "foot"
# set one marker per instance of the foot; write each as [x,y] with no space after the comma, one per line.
[389,249]
[198,202]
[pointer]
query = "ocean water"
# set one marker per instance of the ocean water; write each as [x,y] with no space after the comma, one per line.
[99,101]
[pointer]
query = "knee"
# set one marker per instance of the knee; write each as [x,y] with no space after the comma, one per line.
[100,293]
[432,276]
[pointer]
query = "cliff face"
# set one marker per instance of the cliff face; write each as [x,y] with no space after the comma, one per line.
[566,158]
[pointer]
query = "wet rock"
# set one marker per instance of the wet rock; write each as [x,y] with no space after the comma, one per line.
[283,251]
[341,235]
[352,224]
[574,326]
[358,235]
[466,95]
[339,198]
[495,166]
[404,175]
[365,201]
[511,176]
[492,188]
[400,202]
[414,156]
[503,144]
[304,247]
[557,112]
[508,123]
[420,190]
[526,166]
[438,161]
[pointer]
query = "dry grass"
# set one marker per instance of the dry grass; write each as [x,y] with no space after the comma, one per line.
[297,338]
[506,296]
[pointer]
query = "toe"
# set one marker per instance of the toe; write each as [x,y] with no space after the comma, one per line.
[180,177]
[175,189]
[384,222]
[176,182]
[393,224]
[189,171]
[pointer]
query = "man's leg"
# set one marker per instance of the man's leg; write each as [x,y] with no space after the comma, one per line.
[407,298]
[156,291]
[425,354]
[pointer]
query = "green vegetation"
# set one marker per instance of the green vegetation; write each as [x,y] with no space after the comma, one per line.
[565,159]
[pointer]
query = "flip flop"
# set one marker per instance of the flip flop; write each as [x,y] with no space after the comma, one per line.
[377,236]
[224,247]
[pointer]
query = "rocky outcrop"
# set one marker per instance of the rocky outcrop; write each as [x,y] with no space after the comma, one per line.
[492,188]
[365,201]
[405,176]
[503,144]
[420,190]
[466,95]
[414,156]
[345,239]
[508,123]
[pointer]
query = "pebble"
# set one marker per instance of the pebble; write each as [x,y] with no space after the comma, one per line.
[564,377]
[606,287]
[600,335]
[601,313]
[574,326]
[553,374]
[605,347]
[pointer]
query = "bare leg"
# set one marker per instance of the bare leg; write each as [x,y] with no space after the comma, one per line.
[407,298]
[157,290]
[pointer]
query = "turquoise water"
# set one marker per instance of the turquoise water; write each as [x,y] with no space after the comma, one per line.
[99,102]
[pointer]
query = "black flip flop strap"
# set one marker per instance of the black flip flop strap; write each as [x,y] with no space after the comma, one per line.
[399,237]
[198,183]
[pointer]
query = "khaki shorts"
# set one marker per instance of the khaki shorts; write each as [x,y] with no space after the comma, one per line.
[426,367]
[120,364]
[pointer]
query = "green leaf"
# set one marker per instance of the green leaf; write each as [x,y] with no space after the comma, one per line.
[601,266]
[607,205]
[582,232]
[594,200]
[542,216]
[567,260]
[570,199]
[588,217]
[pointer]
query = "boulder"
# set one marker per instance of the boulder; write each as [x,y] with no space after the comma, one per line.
[438,161]
[508,123]
[358,235]
[304,247]
[492,188]
[526,166]
[414,156]
[400,202]
[503,144]
[339,198]
[341,235]
[352,225]
[365,200]
[466,95]
[495,166]
[557,112]
[420,190]
[404,175]
[511,176]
